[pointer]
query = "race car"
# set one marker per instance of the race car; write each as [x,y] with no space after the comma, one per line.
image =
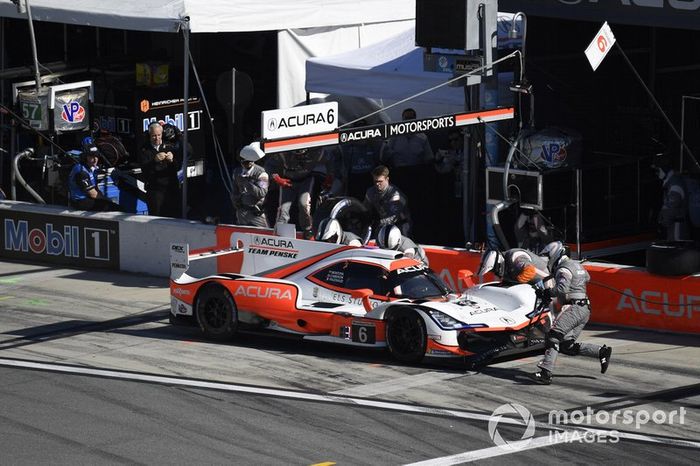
[359,296]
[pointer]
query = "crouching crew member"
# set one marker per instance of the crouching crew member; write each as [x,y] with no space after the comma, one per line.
[569,288]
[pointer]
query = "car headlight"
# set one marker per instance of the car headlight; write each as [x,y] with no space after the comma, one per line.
[444,321]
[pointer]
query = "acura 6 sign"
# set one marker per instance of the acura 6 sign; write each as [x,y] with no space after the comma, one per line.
[300,121]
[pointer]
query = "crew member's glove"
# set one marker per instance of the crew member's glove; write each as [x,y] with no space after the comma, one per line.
[544,294]
[283,182]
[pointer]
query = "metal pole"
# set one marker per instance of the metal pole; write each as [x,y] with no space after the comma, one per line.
[37,75]
[578,213]
[185,110]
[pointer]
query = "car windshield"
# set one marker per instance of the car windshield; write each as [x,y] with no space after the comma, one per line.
[417,284]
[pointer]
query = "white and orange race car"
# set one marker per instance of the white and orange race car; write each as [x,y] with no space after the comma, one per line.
[361,296]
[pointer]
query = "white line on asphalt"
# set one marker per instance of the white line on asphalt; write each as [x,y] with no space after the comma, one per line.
[304,396]
[402,383]
[490,452]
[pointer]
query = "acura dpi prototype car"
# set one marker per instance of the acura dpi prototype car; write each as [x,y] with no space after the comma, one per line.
[359,296]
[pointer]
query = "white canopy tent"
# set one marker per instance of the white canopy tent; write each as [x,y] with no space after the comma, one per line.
[214,15]
[305,27]
[392,70]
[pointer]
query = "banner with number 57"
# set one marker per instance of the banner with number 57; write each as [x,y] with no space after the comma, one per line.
[600,46]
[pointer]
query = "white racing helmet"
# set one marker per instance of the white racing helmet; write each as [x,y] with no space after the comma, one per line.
[554,251]
[330,231]
[252,152]
[389,237]
[491,261]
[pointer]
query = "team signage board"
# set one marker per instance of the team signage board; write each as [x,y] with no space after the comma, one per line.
[388,130]
[73,241]
[34,107]
[161,105]
[299,121]
[70,106]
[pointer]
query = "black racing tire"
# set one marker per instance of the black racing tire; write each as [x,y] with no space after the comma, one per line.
[216,313]
[673,258]
[406,335]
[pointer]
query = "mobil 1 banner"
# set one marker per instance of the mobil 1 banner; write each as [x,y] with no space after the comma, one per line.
[62,240]
[170,109]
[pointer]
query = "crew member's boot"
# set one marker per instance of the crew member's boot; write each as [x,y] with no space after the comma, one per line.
[604,356]
[543,377]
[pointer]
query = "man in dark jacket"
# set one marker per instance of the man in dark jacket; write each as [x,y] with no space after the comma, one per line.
[160,161]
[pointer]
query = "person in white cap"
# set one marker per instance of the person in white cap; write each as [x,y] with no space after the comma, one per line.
[250,184]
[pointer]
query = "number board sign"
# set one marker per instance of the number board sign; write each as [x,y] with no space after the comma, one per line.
[74,241]
[300,121]
[34,108]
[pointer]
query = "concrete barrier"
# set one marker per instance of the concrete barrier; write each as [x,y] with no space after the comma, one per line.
[114,240]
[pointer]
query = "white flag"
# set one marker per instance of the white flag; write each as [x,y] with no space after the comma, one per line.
[600,46]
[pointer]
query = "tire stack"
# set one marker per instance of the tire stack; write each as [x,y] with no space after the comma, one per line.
[673,258]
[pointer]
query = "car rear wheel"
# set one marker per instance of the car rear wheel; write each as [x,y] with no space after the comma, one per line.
[406,335]
[216,311]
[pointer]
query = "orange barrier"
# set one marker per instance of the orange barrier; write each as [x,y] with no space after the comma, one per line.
[620,295]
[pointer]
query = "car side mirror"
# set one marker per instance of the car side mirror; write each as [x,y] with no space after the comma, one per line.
[363,294]
[465,276]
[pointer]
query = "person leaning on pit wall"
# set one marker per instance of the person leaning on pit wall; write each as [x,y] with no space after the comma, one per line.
[159,166]
[82,182]
[386,203]
[250,185]
[569,289]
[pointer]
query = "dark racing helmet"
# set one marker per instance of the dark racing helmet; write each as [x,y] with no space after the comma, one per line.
[389,237]
[491,261]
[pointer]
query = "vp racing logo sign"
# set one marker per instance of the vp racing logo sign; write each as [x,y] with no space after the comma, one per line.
[518,415]
[73,112]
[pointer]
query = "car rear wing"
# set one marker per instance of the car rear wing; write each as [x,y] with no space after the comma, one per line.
[180,257]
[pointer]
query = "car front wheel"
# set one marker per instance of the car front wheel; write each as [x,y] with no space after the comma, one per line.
[406,335]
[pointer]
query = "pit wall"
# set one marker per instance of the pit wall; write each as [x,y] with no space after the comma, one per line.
[620,295]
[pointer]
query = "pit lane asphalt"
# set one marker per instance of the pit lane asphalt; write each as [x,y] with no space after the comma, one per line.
[278,400]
